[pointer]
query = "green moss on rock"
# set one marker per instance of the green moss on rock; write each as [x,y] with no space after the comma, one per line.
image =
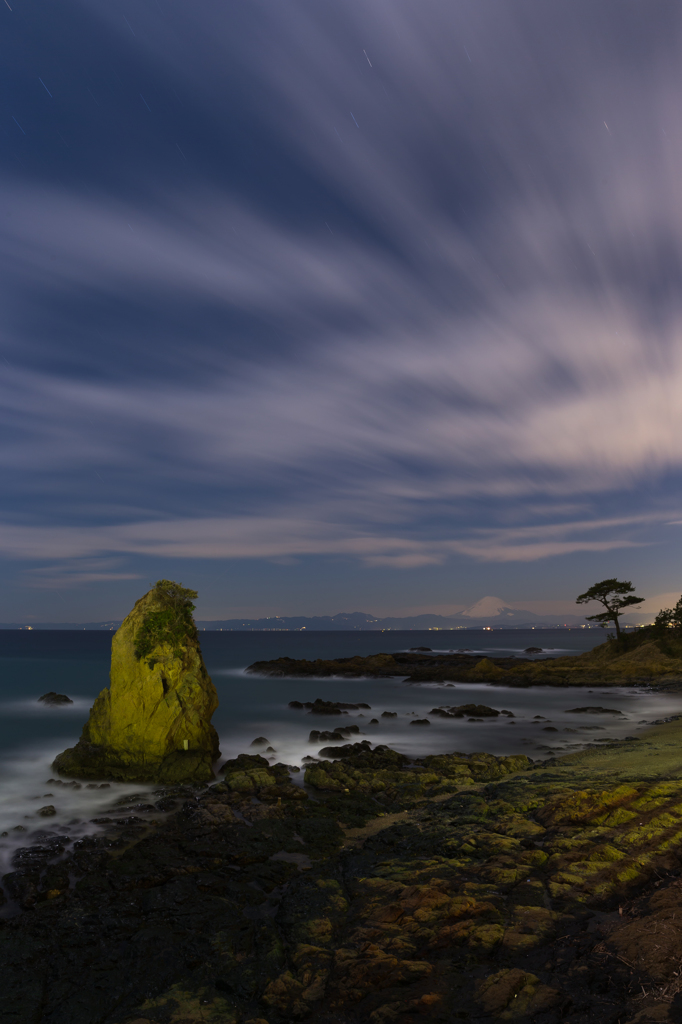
[171,625]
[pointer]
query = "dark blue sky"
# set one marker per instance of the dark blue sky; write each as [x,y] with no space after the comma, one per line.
[322,307]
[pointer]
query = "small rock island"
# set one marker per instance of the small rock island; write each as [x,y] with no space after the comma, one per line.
[153,723]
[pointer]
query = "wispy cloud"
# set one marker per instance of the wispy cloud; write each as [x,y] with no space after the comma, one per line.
[281,537]
[450,327]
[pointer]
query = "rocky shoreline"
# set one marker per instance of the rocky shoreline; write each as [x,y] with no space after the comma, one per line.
[454,887]
[610,664]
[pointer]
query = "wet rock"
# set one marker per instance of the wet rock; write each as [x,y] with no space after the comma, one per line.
[498,901]
[516,991]
[346,750]
[21,887]
[332,707]
[420,721]
[593,711]
[389,714]
[338,735]
[376,665]
[53,699]
[47,812]
[260,741]
[428,649]
[533,650]
[250,775]
[153,723]
[325,736]
[462,710]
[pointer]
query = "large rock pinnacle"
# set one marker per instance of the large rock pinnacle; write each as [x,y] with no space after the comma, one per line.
[153,723]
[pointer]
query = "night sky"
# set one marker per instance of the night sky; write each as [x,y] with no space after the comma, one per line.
[322,306]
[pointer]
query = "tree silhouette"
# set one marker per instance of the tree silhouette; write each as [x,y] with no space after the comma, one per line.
[614,595]
[670,618]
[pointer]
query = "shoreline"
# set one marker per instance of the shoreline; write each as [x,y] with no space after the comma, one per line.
[497,898]
[637,660]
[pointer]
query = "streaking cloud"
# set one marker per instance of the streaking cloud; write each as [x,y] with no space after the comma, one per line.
[408,334]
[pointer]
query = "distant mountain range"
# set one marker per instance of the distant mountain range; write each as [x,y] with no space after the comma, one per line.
[483,613]
[489,611]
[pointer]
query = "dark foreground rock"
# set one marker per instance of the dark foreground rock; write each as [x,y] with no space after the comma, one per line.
[455,888]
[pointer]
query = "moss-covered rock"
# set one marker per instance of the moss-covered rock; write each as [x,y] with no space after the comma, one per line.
[250,775]
[441,904]
[153,723]
[385,774]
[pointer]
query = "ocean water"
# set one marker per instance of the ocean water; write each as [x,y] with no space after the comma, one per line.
[77,664]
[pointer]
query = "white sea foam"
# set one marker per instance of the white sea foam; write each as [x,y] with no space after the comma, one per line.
[79,706]
[25,789]
[262,710]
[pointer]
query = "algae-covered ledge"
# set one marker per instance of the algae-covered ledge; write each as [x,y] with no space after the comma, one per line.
[481,893]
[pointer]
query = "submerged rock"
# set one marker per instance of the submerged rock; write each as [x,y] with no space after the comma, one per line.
[53,699]
[347,750]
[153,723]
[338,735]
[462,710]
[593,711]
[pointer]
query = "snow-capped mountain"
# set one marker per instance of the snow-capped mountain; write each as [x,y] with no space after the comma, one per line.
[490,608]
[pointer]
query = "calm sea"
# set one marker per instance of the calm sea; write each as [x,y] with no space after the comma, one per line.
[77,664]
